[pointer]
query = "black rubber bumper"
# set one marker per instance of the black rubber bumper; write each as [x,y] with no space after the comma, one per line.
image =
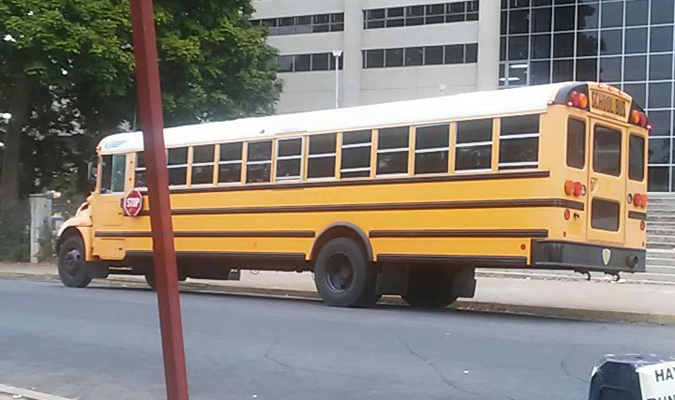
[548,254]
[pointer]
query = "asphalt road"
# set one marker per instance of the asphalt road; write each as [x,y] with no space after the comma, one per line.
[103,343]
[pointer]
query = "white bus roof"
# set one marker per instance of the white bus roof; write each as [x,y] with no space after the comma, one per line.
[530,99]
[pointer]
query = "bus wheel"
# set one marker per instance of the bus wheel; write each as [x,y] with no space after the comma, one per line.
[429,287]
[343,275]
[73,269]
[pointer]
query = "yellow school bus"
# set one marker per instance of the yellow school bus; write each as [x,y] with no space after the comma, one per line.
[403,198]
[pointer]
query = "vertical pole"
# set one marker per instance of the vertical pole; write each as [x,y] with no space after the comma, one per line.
[336,56]
[165,267]
[337,82]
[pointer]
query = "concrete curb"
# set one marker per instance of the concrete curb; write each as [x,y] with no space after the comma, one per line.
[28,394]
[461,305]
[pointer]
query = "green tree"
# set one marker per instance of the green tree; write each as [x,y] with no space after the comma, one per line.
[68,78]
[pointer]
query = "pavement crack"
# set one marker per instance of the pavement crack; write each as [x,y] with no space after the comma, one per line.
[447,381]
[268,356]
[563,364]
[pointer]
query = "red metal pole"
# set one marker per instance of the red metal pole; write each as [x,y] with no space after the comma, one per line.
[166,274]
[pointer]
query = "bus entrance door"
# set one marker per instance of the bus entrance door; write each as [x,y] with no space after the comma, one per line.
[606,185]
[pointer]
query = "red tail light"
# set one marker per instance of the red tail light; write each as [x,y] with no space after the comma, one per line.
[642,225]
[569,187]
[577,189]
[567,215]
[574,99]
[637,200]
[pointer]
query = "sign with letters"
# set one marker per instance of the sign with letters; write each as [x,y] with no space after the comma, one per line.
[609,104]
[132,203]
[657,381]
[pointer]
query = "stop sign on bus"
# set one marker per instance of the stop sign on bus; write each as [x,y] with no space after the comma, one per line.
[132,203]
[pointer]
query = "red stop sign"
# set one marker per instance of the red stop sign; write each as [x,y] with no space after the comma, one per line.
[132,203]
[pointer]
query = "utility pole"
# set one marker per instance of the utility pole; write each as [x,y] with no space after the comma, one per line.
[164,253]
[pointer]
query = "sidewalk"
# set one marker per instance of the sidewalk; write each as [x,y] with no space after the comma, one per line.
[577,299]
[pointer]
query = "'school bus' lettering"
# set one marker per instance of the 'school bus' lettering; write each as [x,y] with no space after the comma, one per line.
[609,103]
[402,198]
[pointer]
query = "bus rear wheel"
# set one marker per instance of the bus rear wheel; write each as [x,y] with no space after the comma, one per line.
[430,287]
[72,267]
[344,276]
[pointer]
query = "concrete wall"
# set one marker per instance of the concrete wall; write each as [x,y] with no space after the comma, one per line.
[316,90]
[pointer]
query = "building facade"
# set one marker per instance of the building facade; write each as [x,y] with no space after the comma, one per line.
[406,49]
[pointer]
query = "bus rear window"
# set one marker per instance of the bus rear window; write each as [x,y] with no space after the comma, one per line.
[576,143]
[636,158]
[605,215]
[607,151]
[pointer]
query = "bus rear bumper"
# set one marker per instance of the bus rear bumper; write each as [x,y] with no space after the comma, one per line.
[548,254]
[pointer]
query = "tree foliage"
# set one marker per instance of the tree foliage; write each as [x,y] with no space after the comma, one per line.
[71,62]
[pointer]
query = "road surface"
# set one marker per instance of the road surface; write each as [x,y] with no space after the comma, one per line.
[103,343]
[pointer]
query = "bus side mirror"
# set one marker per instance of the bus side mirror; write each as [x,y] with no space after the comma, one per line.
[633,378]
[92,170]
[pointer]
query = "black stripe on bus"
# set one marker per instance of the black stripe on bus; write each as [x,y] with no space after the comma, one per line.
[460,233]
[364,182]
[214,234]
[637,215]
[475,261]
[433,205]
[224,255]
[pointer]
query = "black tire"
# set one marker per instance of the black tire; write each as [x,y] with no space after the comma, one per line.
[72,267]
[150,280]
[429,287]
[343,275]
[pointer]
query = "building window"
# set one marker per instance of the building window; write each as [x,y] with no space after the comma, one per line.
[419,56]
[519,142]
[303,24]
[432,144]
[474,145]
[289,159]
[202,164]
[259,162]
[178,160]
[321,158]
[627,44]
[229,165]
[356,154]
[415,15]
[392,150]
[307,62]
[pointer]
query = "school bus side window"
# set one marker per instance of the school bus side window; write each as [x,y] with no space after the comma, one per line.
[289,159]
[321,158]
[259,162]
[576,143]
[392,150]
[139,171]
[519,142]
[178,166]
[474,145]
[112,173]
[202,164]
[356,154]
[432,144]
[636,158]
[229,166]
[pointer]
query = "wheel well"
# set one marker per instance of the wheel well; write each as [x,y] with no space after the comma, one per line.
[344,230]
[70,231]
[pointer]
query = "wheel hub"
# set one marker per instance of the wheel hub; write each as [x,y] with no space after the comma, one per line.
[71,261]
[340,273]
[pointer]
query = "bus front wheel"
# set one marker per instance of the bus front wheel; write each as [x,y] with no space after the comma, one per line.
[429,287]
[344,276]
[72,267]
